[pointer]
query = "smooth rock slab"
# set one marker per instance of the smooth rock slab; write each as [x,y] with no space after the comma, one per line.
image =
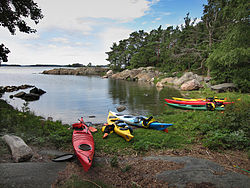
[224,87]
[29,175]
[19,149]
[200,171]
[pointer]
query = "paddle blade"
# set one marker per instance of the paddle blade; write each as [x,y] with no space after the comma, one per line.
[105,135]
[165,130]
[92,129]
[64,157]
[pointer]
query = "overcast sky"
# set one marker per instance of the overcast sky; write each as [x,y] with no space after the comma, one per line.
[81,31]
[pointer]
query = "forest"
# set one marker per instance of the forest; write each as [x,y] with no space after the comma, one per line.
[216,46]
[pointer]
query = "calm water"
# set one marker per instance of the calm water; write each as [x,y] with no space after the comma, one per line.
[70,97]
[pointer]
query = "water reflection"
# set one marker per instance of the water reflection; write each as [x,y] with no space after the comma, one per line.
[140,97]
[70,97]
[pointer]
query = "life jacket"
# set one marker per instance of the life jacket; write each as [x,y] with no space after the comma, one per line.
[108,128]
[210,99]
[147,122]
[210,106]
[219,104]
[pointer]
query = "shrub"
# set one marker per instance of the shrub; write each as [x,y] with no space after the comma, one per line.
[231,131]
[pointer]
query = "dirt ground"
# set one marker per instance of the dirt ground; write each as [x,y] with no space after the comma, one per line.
[133,171]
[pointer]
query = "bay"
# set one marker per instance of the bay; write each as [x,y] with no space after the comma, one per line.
[70,97]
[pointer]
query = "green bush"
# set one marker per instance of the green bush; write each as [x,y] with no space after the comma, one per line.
[231,130]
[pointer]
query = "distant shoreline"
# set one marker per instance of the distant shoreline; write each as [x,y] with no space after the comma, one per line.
[44,65]
[15,65]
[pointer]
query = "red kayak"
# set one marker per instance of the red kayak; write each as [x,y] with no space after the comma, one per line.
[194,102]
[83,144]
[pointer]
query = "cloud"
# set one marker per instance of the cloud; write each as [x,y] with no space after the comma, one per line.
[60,40]
[113,34]
[74,31]
[166,13]
[69,15]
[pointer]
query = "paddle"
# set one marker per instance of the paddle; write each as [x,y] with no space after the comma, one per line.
[88,124]
[64,157]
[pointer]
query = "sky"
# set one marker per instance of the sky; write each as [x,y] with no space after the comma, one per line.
[81,31]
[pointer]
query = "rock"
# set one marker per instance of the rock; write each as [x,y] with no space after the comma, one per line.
[145,77]
[224,87]
[37,91]
[169,80]
[207,79]
[31,97]
[126,74]
[78,71]
[199,172]
[145,74]
[109,73]
[19,149]
[191,85]
[159,84]
[199,78]
[10,88]
[208,85]
[187,77]
[20,94]
[120,108]
[27,96]
[25,86]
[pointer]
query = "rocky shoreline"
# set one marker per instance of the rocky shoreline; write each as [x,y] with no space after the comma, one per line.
[78,71]
[34,93]
[187,82]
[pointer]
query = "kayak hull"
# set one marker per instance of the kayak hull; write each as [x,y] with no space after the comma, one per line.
[83,144]
[192,107]
[200,99]
[120,128]
[138,121]
[193,102]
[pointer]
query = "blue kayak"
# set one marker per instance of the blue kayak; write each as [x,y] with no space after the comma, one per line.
[142,121]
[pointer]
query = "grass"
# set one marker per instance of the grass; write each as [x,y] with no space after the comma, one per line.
[189,127]
[144,140]
[77,182]
[31,128]
[214,129]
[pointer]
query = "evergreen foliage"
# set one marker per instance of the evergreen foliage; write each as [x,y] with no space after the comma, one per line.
[218,44]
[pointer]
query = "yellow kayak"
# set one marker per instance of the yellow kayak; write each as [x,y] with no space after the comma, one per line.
[121,128]
[210,99]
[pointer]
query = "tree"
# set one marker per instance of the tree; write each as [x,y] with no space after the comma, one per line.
[229,61]
[212,17]
[3,53]
[12,14]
